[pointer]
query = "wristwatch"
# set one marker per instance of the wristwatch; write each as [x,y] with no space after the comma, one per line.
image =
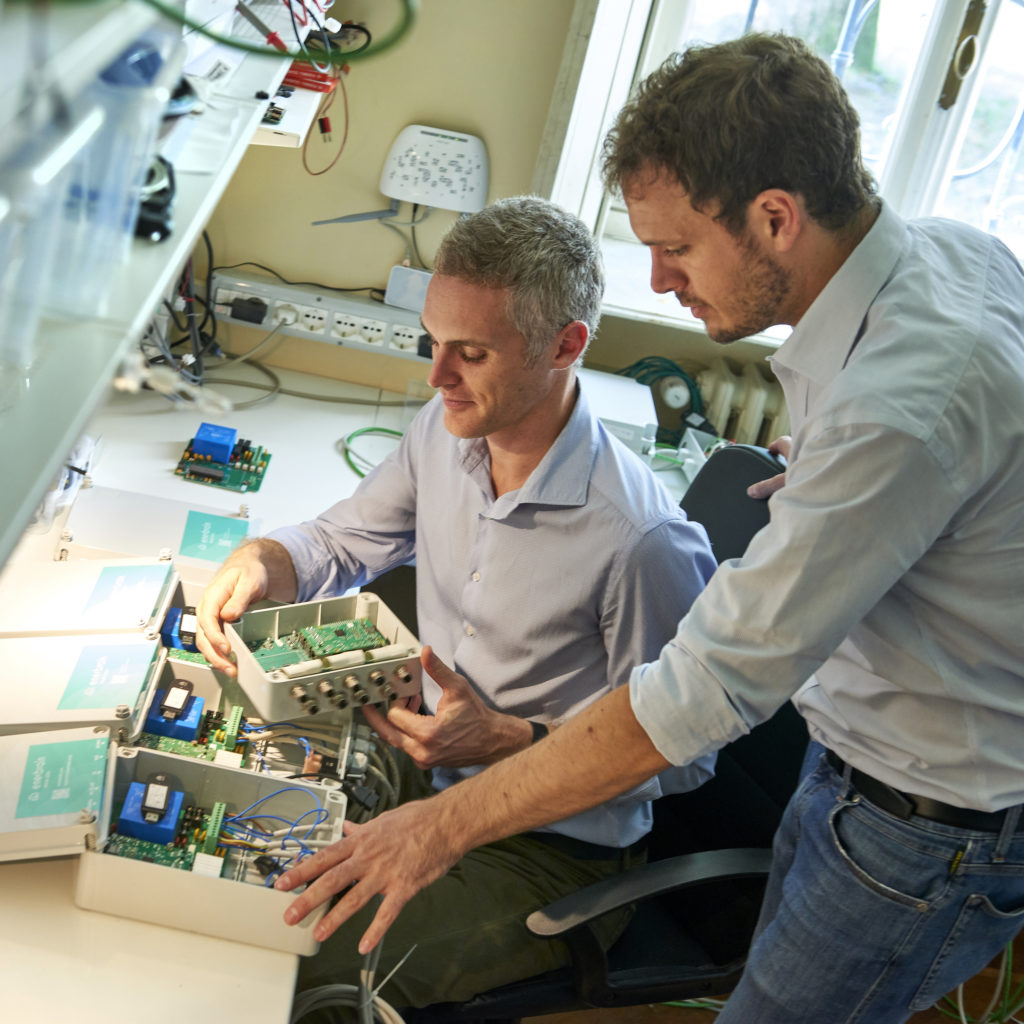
[540,730]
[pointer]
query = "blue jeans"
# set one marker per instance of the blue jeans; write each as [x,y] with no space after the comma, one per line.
[869,918]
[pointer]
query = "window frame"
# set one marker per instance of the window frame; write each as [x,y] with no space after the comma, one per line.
[917,164]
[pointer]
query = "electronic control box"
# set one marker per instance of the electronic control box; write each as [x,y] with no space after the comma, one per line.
[51,682]
[198,714]
[123,595]
[171,840]
[324,657]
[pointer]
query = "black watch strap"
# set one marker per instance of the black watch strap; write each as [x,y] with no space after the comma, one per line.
[540,730]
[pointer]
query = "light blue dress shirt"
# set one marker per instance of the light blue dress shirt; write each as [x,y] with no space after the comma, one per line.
[888,585]
[544,598]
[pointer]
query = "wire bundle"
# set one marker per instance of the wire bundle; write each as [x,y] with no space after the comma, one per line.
[285,845]
[652,369]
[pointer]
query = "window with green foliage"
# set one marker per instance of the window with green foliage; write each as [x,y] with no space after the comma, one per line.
[939,86]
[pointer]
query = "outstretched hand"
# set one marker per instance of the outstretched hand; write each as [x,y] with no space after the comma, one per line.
[394,856]
[766,488]
[463,730]
[259,569]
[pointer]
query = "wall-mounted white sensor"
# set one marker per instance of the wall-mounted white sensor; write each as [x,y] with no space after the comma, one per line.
[433,167]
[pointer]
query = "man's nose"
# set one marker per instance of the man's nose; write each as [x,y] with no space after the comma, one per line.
[442,372]
[665,276]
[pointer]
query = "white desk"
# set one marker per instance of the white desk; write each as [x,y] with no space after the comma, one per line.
[59,963]
[143,436]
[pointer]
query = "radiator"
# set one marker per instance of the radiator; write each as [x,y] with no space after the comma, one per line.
[745,407]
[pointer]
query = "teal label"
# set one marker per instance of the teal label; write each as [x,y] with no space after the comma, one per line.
[128,589]
[211,537]
[106,676]
[63,778]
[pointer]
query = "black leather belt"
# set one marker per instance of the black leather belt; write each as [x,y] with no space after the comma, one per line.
[903,805]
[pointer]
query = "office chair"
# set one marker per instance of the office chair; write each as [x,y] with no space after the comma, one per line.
[698,896]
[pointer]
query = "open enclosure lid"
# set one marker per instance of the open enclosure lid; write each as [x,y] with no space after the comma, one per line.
[52,791]
[124,595]
[62,682]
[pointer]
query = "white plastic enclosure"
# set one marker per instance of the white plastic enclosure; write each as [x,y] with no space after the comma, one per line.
[225,907]
[324,685]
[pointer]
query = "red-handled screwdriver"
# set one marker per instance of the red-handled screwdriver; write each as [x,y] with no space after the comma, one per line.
[271,37]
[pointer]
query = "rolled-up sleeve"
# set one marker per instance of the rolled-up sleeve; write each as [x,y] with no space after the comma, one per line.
[846,527]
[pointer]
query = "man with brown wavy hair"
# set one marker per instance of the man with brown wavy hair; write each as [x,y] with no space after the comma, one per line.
[883,598]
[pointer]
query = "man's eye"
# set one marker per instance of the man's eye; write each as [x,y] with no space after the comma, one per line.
[474,355]
[676,252]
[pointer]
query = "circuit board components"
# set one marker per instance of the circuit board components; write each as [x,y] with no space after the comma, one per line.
[218,457]
[324,656]
[317,642]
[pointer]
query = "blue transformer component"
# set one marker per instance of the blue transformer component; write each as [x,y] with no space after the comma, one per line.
[215,441]
[170,631]
[184,727]
[132,824]
[178,630]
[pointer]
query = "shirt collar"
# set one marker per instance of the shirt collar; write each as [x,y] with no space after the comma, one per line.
[827,332]
[560,478]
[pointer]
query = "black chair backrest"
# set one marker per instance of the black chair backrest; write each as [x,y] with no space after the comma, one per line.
[717,497]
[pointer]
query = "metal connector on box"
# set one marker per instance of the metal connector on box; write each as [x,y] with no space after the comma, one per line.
[348,320]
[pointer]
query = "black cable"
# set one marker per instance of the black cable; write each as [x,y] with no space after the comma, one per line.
[412,238]
[336,39]
[351,26]
[372,288]
[303,51]
[174,319]
[210,316]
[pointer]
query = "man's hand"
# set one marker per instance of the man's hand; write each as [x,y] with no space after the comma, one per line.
[766,488]
[259,569]
[463,731]
[394,856]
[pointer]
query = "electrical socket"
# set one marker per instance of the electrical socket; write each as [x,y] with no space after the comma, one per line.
[285,313]
[314,319]
[405,338]
[345,325]
[340,319]
[373,331]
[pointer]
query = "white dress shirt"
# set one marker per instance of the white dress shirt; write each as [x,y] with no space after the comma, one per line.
[544,598]
[886,591]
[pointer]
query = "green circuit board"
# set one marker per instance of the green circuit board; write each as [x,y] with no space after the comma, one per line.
[190,657]
[245,474]
[170,856]
[316,642]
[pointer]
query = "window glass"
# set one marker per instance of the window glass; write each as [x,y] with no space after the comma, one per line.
[872,46]
[987,186]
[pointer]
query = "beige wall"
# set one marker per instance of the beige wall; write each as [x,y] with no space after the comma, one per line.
[486,67]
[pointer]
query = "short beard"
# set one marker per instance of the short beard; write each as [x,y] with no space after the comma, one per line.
[765,286]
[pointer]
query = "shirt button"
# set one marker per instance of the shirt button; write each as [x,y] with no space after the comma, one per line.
[470,631]
[475,577]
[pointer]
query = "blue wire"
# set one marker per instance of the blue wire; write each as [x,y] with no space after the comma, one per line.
[262,799]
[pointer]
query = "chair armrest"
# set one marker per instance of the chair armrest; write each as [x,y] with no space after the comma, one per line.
[643,882]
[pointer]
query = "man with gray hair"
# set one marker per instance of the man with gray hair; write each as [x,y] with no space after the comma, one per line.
[540,545]
[883,597]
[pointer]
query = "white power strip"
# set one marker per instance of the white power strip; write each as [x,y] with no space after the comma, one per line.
[331,317]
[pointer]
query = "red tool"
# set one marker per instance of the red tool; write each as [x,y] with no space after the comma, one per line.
[271,37]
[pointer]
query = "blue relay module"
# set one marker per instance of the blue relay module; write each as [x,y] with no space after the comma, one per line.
[216,456]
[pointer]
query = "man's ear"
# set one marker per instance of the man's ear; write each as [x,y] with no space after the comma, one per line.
[776,217]
[570,343]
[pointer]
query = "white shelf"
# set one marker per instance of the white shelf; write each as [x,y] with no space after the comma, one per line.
[43,413]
